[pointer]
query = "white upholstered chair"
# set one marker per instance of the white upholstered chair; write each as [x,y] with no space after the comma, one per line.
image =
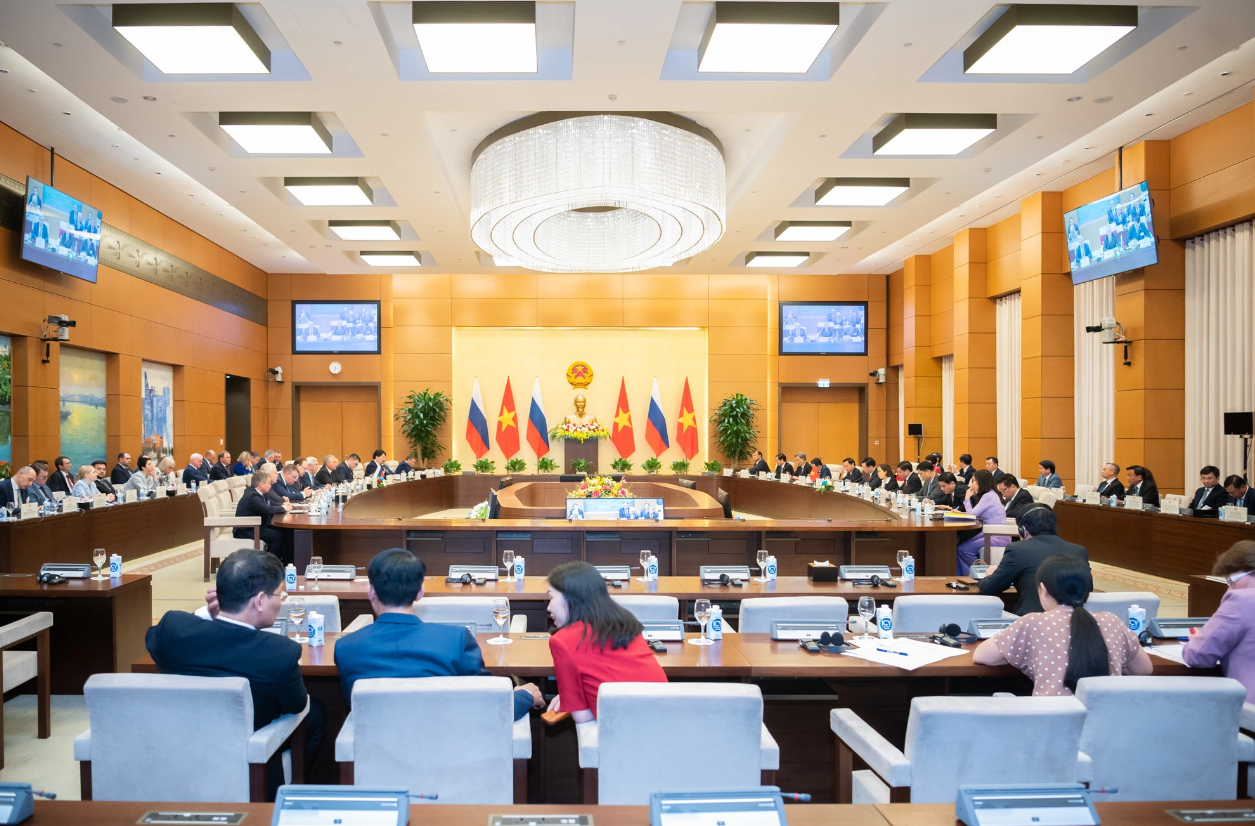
[1118,602]
[644,737]
[756,614]
[952,741]
[465,610]
[451,736]
[1165,738]
[992,554]
[649,606]
[1081,490]
[23,666]
[143,742]
[219,540]
[1048,498]
[236,486]
[1034,491]
[919,614]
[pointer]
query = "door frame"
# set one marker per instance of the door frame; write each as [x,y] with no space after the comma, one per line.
[296,408]
[862,412]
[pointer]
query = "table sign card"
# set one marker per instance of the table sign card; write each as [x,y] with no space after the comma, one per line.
[1133,503]
[30,510]
[129,496]
[98,501]
[1170,506]
[727,471]
[69,504]
[1093,497]
[1233,513]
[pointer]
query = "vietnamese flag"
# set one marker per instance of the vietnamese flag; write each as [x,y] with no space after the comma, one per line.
[686,426]
[508,424]
[622,434]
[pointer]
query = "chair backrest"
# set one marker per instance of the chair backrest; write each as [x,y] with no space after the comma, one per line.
[456,610]
[1081,490]
[916,614]
[1163,738]
[691,484]
[1118,602]
[1035,491]
[140,748]
[236,486]
[1178,499]
[449,736]
[650,606]
[647,734]
[205,493]
[1048,498]
[219,486]
[756,614]
[1021,740]
[326,604]
[391,465]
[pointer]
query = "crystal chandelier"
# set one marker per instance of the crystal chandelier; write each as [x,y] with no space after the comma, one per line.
[558,192]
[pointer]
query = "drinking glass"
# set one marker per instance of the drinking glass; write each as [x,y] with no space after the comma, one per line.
[10,509]
[507,561]
[501,616]
[867,610]
[99,558]
[902,555]
[701,610]
[645,555]
[296,613]
[762,565]
[315,568]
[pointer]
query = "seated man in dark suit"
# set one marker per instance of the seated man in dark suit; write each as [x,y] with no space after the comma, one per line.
[15,491]
[929,486]
[850,471]
[953,492]
[193,472]
[122,470]
[1016,498]
[307,466]
[376,466]
[1210,498]
[868,470]
[965,470]
[246,599]
[39,490]
[820,470]
[102,479]
[62,479]
[288,485]
[1142,483]
[399,644]
[327,473]
[220,469]
[1240,493]
[344,471]
[760,464]
[1110,485]
[911,483]
[991,465]
[783,468]
[254,503]
[404,465]
[1018,566]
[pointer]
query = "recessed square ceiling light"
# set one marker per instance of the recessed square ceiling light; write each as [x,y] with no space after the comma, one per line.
[766,38]
[277,133]
[391,259]
[929,134]
[476,37]
[366,230]
[1047,40]
[811,230]
[860,191]
[193,38]
[330,191]
[776,259]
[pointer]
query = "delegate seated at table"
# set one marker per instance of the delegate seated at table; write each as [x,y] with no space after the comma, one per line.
[1229,635]
[1020,561]
[986,505]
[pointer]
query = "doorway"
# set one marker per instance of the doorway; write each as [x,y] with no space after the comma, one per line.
[239,412]
[829,422]
[338,419]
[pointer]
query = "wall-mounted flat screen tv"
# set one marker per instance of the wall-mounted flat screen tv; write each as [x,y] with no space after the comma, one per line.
[328,327]
[823,328]
[1112,235]
[60,232]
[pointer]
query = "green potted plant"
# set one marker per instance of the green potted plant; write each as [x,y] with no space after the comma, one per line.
[484,466]
[621,465]
[421,418]
[712,468]
[452,467]
[515,465]
[579,466]
[546,465]
[651,465]
[735,435]
[680,467]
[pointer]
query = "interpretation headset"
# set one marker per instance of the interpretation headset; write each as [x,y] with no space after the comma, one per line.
[466,579]
[1033,507]
[949,635]
[877,582]
[612,583]
[832,642]
[734,581]
[49,578]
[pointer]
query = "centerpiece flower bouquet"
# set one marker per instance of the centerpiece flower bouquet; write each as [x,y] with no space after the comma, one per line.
[583,432]
[600,487]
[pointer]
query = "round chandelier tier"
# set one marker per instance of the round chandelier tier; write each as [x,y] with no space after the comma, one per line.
[598,192]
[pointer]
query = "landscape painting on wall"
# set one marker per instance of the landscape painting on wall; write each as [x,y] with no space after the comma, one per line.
[157,402]
[82,406]
[6,402]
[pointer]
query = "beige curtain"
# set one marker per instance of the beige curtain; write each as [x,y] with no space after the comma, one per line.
[1008,329]
[1095,380]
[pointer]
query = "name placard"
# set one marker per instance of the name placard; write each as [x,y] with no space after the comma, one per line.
[1093,498]
[30,510]
[1233,513]
[69,504]
[1133,503]
[130,496]
[98,501]
[1172,507]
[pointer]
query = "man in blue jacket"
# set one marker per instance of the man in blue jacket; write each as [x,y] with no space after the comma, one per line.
[399,644]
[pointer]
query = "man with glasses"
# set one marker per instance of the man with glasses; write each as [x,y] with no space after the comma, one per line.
[233,643]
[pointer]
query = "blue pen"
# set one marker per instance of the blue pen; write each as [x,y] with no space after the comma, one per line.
[887,651]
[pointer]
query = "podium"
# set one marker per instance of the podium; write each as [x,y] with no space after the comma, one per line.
[575,449]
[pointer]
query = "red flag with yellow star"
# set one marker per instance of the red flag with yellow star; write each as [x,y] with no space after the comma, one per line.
[622,434]
[686,427]
[508,424]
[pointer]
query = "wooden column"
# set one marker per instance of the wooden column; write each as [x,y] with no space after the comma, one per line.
[36,388]
[124,416]
[1047,430]
[975,351]
[1150,303]
[921,373]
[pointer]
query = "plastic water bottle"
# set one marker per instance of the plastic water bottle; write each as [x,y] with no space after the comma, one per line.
[884,622]
[115,569]
[314,623]
[519,568]
[908,569]
[770,570]
[1137,619]
[651,569]
[714,628]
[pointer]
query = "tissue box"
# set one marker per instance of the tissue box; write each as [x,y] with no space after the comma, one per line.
[823,573]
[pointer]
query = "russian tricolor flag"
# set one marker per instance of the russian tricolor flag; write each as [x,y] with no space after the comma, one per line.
[477,424]
[656,426]
[537,427]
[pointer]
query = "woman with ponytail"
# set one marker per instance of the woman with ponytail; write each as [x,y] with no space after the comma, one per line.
[1065,643]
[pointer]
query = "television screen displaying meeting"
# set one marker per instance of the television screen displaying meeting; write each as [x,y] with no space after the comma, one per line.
[335,327]
[827,328]
[60,232]
[627,509]
[1111,235]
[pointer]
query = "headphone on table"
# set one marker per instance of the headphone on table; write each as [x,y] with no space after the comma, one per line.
[49,578]
[877,582]
[734,581]
[466,579]
[831,642]
[950,635]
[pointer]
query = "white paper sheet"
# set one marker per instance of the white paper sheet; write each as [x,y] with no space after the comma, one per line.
[1172,651]
[901,652]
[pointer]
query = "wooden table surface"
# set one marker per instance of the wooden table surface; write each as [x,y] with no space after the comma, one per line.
[25,585]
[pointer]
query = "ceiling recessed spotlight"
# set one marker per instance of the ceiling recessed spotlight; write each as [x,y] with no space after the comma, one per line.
[932,134]
[170,136]
[1074,99]
[270,133]
[58,45]
[1087,147]
[330,191]
[1182,48]
[115,145]
[1039,137]
[1225,74]
[1149,115]
[772,38]
[149,98]
[4,71]
[117,99]
[1187,94]
[1047,39]
[336,43]
[457,36]
[391,259]
[811,230]
[65,113]
[776,259]
[622,42]
[193,38]
[1104,99]
[365,230]
[616,97]
[860,191]
[823,136]
[907,45]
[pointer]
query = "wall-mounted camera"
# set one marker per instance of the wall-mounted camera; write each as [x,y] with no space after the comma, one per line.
[57,327]
[878,375]
[277,372]
[1112,332]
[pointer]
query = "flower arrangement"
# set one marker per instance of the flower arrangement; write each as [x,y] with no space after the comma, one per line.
[824,486]
[515,465]
[6,470]
[452,467]
[621,465]
[485,466]
[546,465]
[582,432]
[480,511]
[600,487]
